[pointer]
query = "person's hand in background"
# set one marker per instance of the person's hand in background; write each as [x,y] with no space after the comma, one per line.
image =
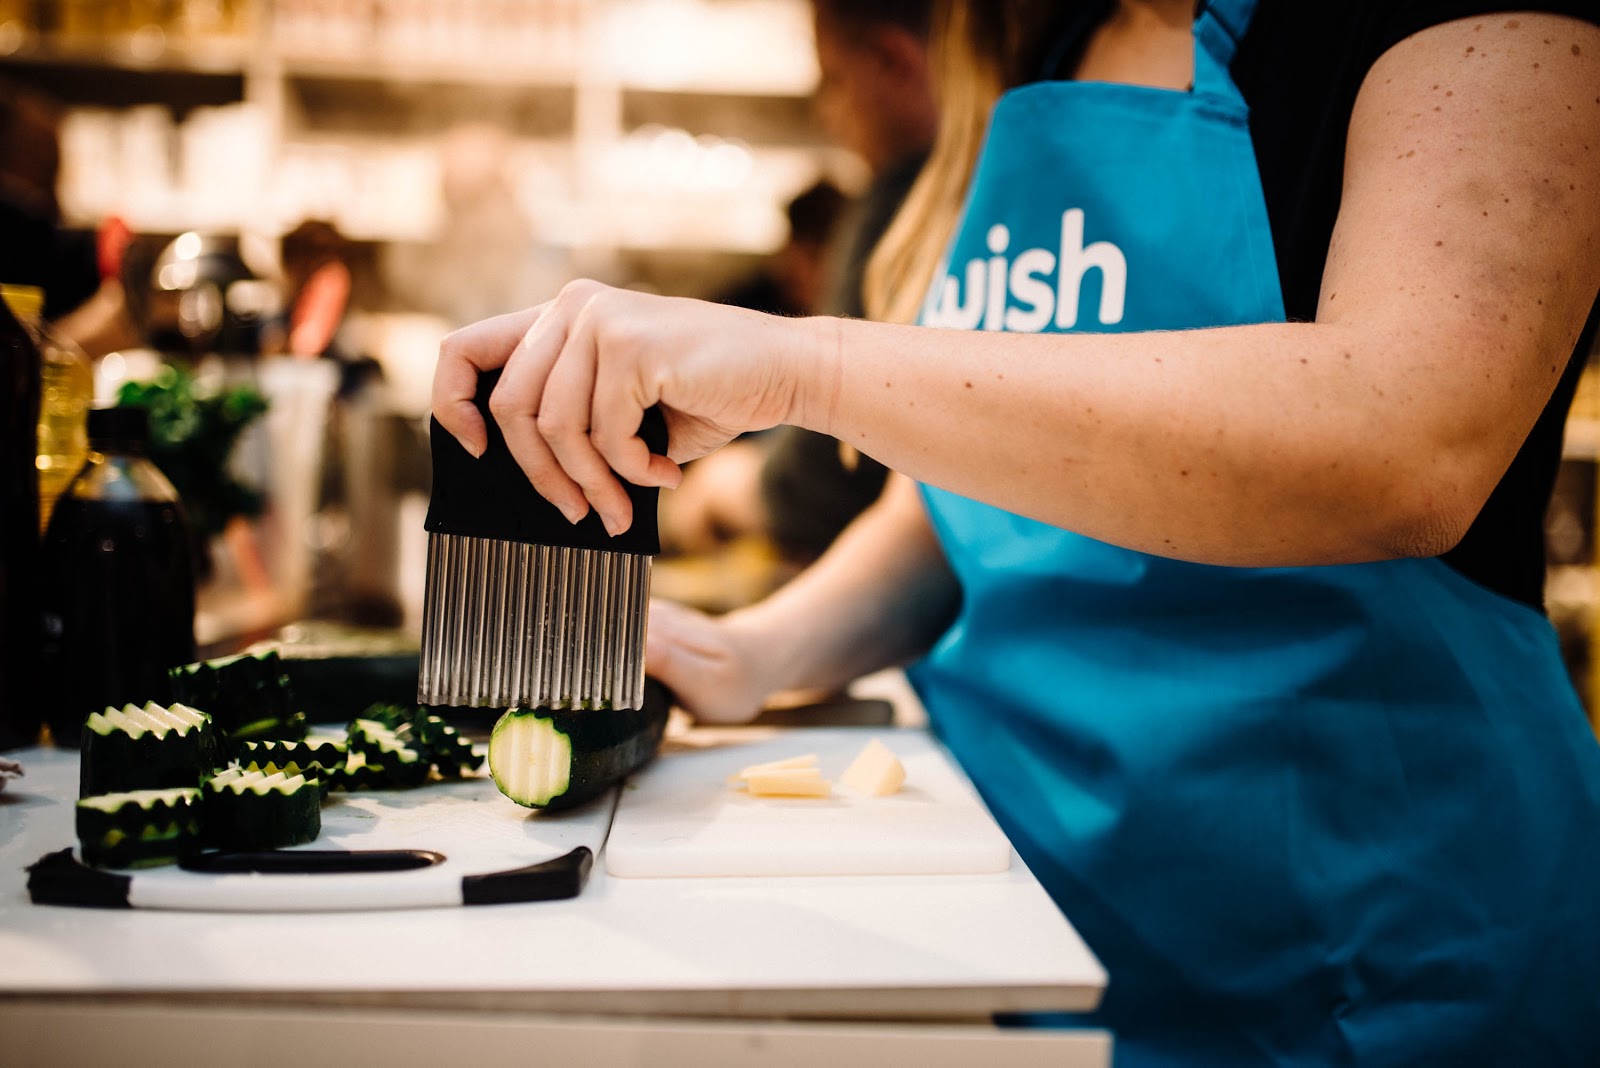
[713,664]
[719,500]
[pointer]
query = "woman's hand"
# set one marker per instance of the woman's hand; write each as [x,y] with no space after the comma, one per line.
[714,668]
[581,369]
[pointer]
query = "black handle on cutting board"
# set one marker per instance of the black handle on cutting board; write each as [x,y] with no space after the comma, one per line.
[60,878]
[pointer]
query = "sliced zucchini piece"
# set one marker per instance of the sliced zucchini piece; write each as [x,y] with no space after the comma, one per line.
[548,759]
[328,755]
[358,774]
[248,694]
[139,828]
[440,744]
[403,766]
[261,810]
[149,748]
[447,750]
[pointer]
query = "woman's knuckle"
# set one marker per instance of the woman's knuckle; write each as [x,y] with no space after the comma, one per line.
[579,291]
[502,405]
[553,423]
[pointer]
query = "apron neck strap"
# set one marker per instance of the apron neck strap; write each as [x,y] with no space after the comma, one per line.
[1218,29]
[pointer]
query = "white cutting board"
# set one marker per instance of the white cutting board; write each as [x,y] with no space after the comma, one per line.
[477,828]
[679,817]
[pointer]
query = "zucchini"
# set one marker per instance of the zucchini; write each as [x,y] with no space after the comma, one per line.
[247,810]
[149,748]
[382,747]
[335,668]
[542,758]
[247,694]
[359,774]
[323,758]
[440,744]
[139,828]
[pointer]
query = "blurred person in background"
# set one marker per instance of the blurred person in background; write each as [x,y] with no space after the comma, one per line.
[317,284]
[876,99]
[487,254]
[719,500]
[792,281]
[77,269]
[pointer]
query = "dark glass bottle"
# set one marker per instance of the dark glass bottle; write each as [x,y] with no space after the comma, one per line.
[19,535]
[118,580]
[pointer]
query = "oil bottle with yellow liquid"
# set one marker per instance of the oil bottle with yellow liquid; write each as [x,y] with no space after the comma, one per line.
[66,390]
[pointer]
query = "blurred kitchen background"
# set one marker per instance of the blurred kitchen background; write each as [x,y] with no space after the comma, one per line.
[301,197]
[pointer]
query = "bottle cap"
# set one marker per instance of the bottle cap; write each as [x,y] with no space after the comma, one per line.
[121,429]
[25,302]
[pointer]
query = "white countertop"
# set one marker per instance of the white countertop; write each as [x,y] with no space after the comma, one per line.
[879,947]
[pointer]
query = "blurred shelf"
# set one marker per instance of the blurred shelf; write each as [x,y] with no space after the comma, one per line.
[654,132]
[710,83]
[409,70]
[152,54]
[1582,440]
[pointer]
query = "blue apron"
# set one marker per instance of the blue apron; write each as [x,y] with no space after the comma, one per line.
[1330,815]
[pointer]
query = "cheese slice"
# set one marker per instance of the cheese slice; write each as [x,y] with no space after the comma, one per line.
[876,772]
[788,782]
[788,764]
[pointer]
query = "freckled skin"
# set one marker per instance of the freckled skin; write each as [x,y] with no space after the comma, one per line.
[1265,405]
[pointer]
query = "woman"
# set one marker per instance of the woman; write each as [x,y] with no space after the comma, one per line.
[1224,569]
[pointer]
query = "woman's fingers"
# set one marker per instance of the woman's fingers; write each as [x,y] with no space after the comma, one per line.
[462,356]
[615,413]
[578,374]
[520,396]
[563,422]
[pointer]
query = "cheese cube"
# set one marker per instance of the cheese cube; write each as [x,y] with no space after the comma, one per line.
[876,772]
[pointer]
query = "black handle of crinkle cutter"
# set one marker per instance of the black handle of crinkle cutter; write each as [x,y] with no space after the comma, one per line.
[490,497]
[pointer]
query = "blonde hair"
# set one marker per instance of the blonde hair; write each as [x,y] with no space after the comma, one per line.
[979,51]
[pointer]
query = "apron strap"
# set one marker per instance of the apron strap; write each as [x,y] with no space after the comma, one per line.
[1218,29]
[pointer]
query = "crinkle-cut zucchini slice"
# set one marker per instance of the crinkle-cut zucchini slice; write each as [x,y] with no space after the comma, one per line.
[440,744]
[139,828]
[403,765]
[324,778]
[248,694]
[447,750]
[149,748]
[255,809]
[359,774]
[326,754]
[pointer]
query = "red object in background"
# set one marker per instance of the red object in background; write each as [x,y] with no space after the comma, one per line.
[319,309]
[111,245]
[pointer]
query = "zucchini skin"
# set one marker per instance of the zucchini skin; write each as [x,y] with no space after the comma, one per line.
[141,829]
[247,694]
[608,745]
[116,761]
[327,756]
[440,744]
[403,766]
[236,819]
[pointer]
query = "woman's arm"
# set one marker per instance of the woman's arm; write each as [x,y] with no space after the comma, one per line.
[1464,262]
[877,597]
[1465,258]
